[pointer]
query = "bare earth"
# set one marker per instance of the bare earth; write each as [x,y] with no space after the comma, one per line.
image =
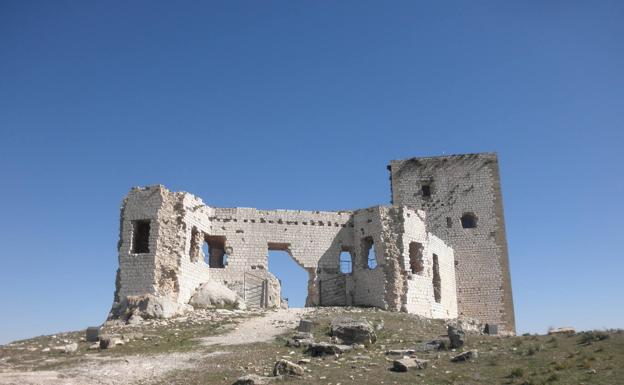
[260,329]
[145,369]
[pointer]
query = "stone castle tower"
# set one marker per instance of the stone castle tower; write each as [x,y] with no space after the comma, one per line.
[461,195]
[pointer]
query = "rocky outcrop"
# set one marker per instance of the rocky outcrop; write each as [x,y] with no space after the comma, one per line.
[213,294]
[146,306]
[352,331]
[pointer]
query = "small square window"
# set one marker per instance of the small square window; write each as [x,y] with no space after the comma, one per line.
[426,190]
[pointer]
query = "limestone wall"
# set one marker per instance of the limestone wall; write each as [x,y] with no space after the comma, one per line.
[459,185]
[240,239]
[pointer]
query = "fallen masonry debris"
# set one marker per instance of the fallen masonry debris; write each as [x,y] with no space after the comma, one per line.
[352,331]
[465,356]
[407,363]
[287,368]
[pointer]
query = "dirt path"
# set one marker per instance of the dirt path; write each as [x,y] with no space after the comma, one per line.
[108,370]
[260,329]
[144,368]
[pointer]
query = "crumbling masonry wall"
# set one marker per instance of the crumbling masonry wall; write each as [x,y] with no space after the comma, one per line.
[179,223]
[461,195]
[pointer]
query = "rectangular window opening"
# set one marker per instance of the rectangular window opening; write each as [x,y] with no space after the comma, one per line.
[214,251]
[140,236]
[416,257]
[346,261]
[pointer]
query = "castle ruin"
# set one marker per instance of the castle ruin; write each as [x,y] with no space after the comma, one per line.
[439,250]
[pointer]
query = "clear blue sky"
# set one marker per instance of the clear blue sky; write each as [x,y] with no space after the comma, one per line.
[301,105]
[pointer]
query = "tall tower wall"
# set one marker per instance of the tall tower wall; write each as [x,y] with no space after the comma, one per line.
[461,195]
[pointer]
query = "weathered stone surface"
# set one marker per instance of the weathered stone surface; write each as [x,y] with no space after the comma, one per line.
[465,356]
[284,367]
[324,348]
[456,336]
[305,326]
[69,348]
[491,329]
[171,263]
[302,336]
[405,364]
[353,331]
[400,352]
[147,306]
[93,334]
[431,346]
[252,379]
[214,294]
[564,330]
[450,188]
[135,319]
[109,342]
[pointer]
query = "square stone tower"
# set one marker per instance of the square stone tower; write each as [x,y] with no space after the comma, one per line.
[461,195]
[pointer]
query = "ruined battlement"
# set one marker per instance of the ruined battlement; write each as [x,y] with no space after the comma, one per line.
[398,257]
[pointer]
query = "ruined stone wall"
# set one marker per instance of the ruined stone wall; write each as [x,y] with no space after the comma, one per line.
[180,222]
[420,298]
[459,185]
[136,271]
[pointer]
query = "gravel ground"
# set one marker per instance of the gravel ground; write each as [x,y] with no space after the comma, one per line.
[261,329]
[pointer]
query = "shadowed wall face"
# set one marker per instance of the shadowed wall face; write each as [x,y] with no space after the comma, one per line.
[461,195]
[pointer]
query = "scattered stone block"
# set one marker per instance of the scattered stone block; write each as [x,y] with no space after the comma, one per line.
[284,367]
[305,326]
[456,336]
[400,352]
[108,342]
[353,331]
[562,331]
[465,356]
[323,348]
[431,346]
[405,364]
[93,334]
[252,379]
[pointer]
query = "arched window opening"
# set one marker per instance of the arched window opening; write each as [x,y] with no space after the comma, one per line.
[416,257]
[469,221]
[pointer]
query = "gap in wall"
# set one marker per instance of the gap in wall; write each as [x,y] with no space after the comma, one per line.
[293,278]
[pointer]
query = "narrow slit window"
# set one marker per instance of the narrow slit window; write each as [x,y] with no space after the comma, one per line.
[416,257]
[140,236]
[368,248]
[426,190]
[449,222]
[196,244]
[437,289]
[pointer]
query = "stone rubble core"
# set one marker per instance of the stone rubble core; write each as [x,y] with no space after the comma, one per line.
[396,262]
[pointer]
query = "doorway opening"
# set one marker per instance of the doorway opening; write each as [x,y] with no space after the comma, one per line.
[292,276]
